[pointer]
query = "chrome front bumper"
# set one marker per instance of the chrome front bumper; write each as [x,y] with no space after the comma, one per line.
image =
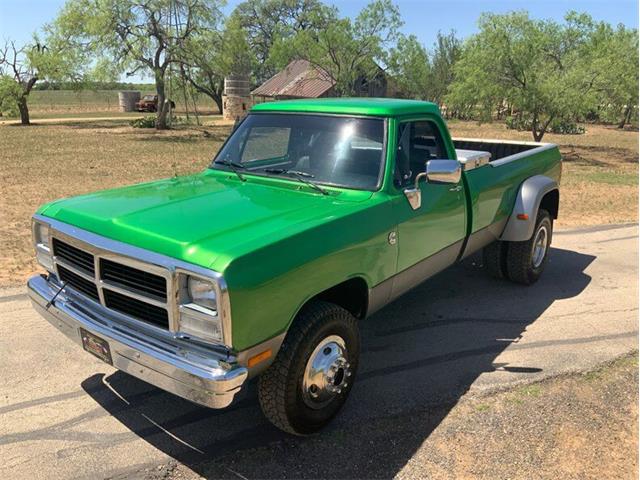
[203,376]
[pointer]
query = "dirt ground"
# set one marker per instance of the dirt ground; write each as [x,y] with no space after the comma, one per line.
[50,160]
[582,426]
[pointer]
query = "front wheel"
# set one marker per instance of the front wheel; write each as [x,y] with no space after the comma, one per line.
[312,375]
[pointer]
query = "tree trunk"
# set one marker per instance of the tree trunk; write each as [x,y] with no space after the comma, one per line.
[163,105]
[537,136]
[24,110]
[534,128]
[538,133]
[626,117]
[218,100]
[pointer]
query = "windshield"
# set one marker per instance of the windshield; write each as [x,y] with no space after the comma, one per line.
[330,150]
[149,97]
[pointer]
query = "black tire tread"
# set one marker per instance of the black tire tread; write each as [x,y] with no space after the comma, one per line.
[494,259]
[519,255]
[272,383]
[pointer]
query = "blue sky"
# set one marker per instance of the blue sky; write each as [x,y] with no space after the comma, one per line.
[19,18]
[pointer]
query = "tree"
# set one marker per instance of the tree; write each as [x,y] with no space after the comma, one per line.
[211,56]
[266,22]
[615,53]
[136,36]
[446,53]
[539,67]
[408,64]
[22,66]
[347,50]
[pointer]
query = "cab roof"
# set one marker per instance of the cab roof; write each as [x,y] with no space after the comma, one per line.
[379,107]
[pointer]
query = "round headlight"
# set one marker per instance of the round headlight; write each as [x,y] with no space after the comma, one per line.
[202,293]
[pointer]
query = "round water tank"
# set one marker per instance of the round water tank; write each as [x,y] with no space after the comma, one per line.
[127,100]
[236,85]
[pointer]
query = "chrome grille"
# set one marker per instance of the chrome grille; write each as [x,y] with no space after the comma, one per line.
[79,283]
[73,256]
[134,279]
[115,282]
[136,308]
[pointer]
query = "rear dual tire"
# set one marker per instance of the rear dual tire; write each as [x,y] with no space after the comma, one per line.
[521,262]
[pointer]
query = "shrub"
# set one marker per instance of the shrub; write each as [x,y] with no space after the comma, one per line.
[562,126]
[144,122]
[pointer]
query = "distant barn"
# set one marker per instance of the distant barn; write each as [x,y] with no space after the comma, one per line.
[301,79]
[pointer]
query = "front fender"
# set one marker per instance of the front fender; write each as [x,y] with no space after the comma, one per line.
[531,192]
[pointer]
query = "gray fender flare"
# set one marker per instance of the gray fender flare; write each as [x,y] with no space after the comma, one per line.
[527,202]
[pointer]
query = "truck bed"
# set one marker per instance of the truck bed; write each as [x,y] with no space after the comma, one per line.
[499,149]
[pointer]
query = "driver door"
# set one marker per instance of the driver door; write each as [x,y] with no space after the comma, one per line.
[430,237]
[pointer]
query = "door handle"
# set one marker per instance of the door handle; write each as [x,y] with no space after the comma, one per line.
[456,189]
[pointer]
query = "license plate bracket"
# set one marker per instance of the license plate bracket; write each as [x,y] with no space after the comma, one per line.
[96,346]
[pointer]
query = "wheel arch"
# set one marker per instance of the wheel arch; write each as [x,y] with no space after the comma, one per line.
[351,294]
[535,192]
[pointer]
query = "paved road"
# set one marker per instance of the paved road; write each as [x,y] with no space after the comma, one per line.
[66,415]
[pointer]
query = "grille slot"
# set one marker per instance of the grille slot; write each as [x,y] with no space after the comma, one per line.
[76,281]
[133,279]
[74,256]
[135,308]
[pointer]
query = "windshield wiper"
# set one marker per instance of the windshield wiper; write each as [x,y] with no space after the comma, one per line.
[302,176]
[234,166]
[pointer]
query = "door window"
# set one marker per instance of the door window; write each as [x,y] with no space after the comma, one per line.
[418,142]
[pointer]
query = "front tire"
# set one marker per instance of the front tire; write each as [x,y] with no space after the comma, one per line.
[312,375]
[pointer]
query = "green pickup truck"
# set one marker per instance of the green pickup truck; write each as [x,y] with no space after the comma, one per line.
[313,215]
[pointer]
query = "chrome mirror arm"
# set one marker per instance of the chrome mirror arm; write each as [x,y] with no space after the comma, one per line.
[414,195]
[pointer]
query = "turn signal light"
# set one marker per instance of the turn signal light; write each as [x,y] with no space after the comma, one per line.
[522,216]
[260,357]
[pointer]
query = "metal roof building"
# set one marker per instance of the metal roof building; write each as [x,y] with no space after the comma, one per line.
[299,79]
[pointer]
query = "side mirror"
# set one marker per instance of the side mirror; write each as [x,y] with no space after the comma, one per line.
[437,172]
[443,171]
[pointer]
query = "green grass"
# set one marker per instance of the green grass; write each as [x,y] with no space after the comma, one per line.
[611,178]
[519,395]
[483,407]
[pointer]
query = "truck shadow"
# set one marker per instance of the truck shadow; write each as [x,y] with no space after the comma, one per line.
[420,354]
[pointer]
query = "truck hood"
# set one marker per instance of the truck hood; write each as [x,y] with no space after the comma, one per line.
[206,219]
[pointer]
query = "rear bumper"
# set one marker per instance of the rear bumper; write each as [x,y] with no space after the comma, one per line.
[202,376]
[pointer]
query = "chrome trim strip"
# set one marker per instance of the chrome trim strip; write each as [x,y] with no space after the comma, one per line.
[207,376]
[145,260]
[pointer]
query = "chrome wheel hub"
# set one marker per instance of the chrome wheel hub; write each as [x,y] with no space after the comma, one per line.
[540,245]
[327,372]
